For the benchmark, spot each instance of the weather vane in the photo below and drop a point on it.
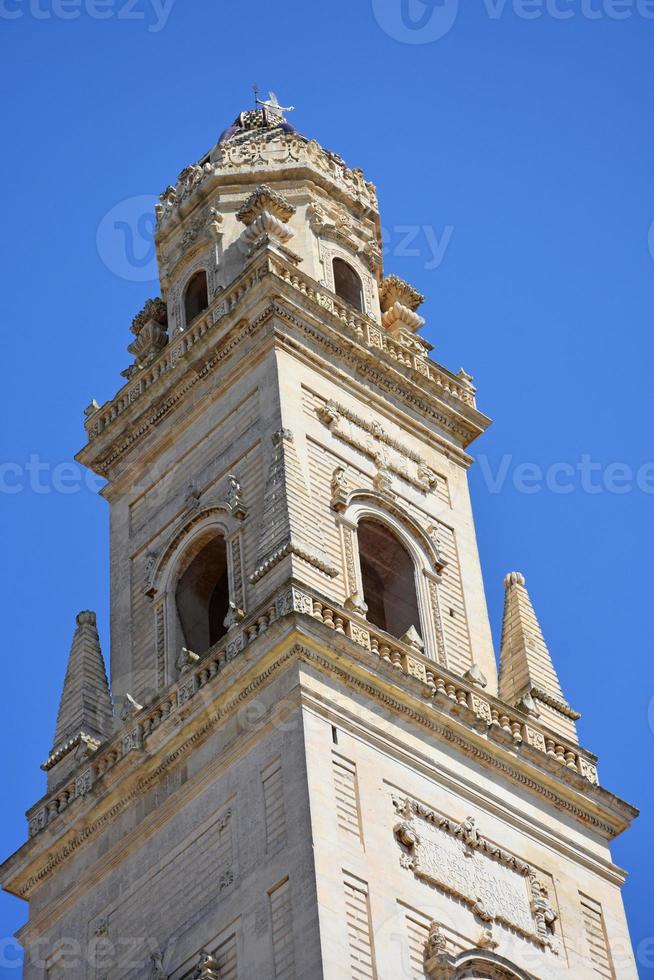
(275, 110)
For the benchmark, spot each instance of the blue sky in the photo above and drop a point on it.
(513, 150)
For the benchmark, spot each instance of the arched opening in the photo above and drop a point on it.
(388, 579)
(202, 596)
(347, 284)
(196, 297)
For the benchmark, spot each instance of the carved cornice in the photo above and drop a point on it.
(377, 356)
(452, 709)
(271, 154)
(38, 860)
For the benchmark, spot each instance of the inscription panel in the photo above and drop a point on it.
(496, 885)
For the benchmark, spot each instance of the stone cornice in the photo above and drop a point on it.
(262, 156)
(118, 772)
(343, 333)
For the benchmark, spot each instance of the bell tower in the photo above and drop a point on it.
(304, 763)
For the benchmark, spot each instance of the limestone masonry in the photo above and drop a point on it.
(305, 764)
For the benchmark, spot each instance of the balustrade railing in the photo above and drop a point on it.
(443, 686)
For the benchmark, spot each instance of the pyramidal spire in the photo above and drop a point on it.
(85, 711)
(527, 675)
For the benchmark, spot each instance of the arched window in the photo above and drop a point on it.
(202, 595)
(388, 578)
(347, 284)
(196, 296)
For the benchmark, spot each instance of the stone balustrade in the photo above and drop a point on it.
(446, 688)
(365, 330)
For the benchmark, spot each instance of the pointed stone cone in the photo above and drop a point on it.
(85, 705)
(527, 674)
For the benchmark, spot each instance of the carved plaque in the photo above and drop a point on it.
(496, 885)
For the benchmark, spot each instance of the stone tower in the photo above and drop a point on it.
(305, 765)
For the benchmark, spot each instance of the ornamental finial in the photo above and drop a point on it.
(514, 578)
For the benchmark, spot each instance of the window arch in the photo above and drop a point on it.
(196, 296)
(388, 577)
(202, 593)
(418, 559)
(347, 284)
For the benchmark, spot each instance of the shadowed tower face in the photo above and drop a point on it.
(305, 764)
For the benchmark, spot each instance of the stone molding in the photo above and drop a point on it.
(173, 705)
(452, 707)
(269, 152)
(446, 399)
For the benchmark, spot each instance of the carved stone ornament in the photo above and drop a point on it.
(370, 438)
(266, 225)
(215, 223)
(157, 970)
(339, 488)
(486, 941)
(235, 498)
(383, 479)
(371, 254)
(265, 200)
(192, 497)
(436, 941)
(151, 339)
(129, 708)
(399, 317)
(207, 968)
(413, 639)
(185, 660)
(494, 884)
(154, 310)
(396, 290)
